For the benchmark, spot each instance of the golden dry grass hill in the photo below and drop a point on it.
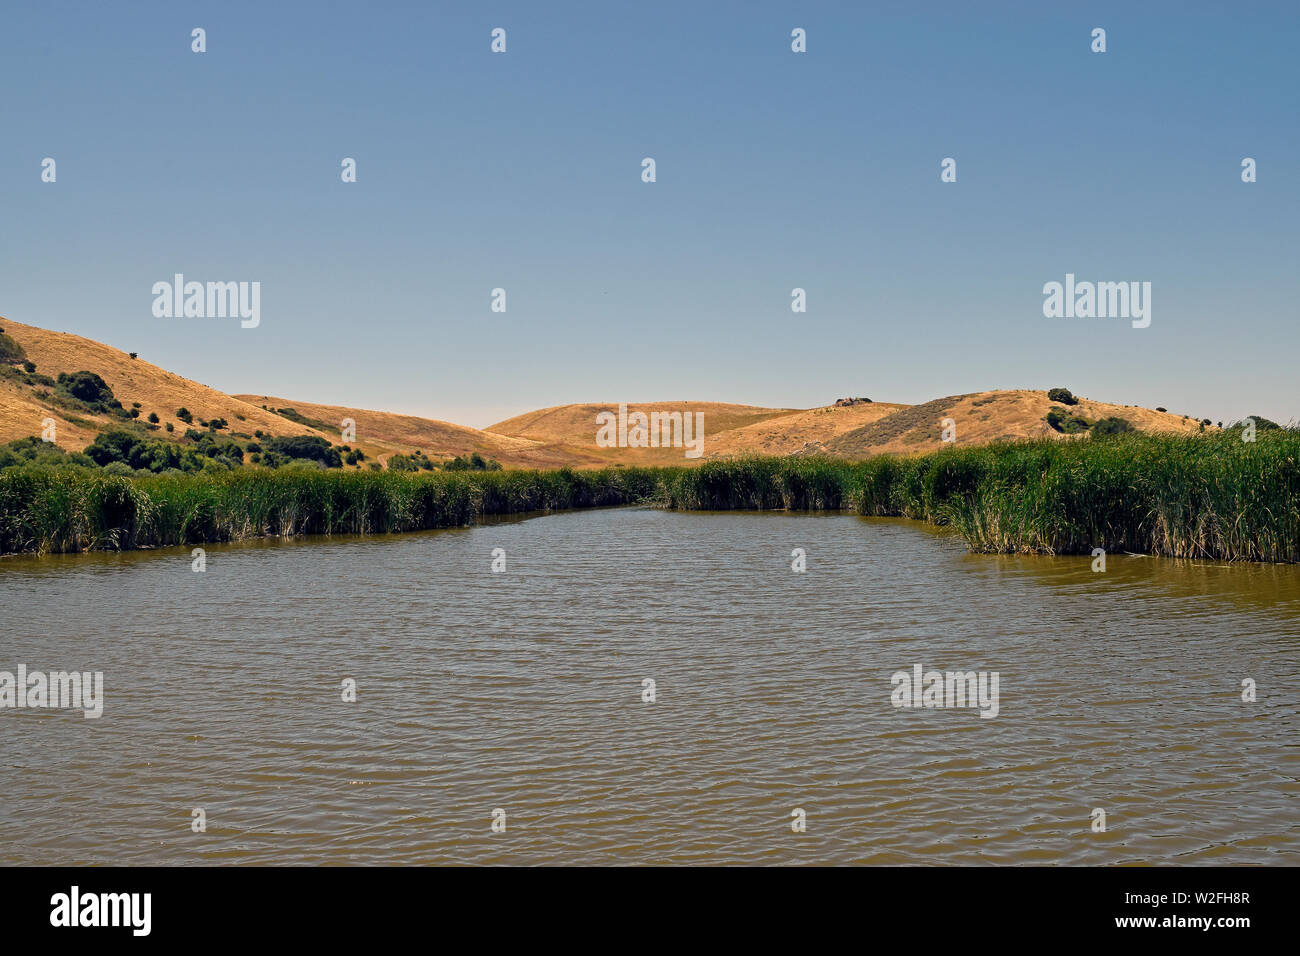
(983, 417)
(571, 429)
(22, 406)
(384, 433)
(558, 436)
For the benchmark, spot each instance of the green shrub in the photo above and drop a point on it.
(1062, 395)
(1112, 426)
(138, 451)
(474, 462)
(310, 447)
(1065, 421)
(11, 353)
(1262, 424)
(88, 389)
(24, 451)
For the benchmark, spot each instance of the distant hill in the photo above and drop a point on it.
(388, 432)
(562, 435)
(983, 417)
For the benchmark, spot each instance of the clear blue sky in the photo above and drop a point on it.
(775, 170)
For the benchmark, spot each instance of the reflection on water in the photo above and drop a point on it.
(522, 691)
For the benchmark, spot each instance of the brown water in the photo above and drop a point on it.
(522, 691)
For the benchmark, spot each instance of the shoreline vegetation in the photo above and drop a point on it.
(1210, 496)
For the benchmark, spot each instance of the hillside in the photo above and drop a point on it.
(797, 432)
(388, 432)
(982, 417)
(558, 436)
(571, 429)
(22, 406)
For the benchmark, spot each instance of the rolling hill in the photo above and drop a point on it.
(558, 436)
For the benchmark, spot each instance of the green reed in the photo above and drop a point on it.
(1210, 496)
(58, 510)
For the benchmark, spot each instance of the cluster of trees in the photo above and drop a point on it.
(1070, 423)
(136, 452)
(474, 462)
(278, 451)
(416, 461)
(1067, 422)
(129, 450)
(27, 451)
(419, 461)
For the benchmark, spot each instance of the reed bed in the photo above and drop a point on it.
(63, 510)
(1204, 496)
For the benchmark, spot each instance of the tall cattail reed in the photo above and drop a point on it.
(1203, 496)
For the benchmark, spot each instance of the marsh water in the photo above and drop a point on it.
(522, 691)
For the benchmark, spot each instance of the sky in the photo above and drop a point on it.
(775, 170)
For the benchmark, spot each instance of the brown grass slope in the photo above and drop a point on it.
(388, 432)
(982, 417)
(796, 433)
(379, 434)
(576, 424)
(132, 380)
(570, 430)
(562, 435)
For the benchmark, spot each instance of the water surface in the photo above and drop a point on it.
(522, 691)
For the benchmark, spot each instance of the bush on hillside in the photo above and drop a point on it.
(1063, 396)
(140, 452)
(88, 389)
(416, 461)
(474, 462)
(1066, 422)
(1112, 426)
(1262, 424)
(32, 450)
(309, 447)
(11, 353)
